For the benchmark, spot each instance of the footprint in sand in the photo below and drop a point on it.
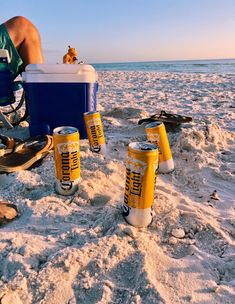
(126, 113)
(100, 200)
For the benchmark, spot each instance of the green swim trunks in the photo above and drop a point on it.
(7, 44)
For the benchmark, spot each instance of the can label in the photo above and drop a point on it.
(141, 168)
(67, 154)
(156, 133)
(94, 130)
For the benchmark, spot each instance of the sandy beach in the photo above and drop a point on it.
(79, 249)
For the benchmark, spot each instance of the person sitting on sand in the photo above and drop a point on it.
(22, 40)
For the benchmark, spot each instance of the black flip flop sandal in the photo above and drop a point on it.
(8, 212)
(26, 154)
(171, 121)
(7, 145)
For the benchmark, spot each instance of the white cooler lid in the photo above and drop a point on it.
(60, 73)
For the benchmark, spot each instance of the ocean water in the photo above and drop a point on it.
(223, 66)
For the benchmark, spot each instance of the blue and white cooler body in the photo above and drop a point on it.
(58, 95)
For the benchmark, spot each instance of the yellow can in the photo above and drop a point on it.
(67, 159)
(141, 166)
(156, 133)
(95, 132)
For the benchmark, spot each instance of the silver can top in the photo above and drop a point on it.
(65, 130)
(143, 146)
(90, 113)
(153, 124)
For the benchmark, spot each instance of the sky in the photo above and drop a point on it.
(130, 30)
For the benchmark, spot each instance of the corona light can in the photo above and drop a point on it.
(141, 166)
(95, 132)
(156, 133)
(67, 159)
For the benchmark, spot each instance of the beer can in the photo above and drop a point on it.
(141, 166)
(67, 159)
(156, 133)
(95, 132)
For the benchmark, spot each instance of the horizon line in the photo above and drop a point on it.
(171, 60)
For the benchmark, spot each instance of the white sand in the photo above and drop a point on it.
(80, 250)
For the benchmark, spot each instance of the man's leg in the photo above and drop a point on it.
(26, 39)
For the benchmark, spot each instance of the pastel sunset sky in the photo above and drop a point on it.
(131, 30)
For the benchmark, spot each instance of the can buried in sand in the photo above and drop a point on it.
(67, 159)
(156, 133)
(141, 166)
(95, 132)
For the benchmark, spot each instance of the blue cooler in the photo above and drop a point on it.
(58, 95)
